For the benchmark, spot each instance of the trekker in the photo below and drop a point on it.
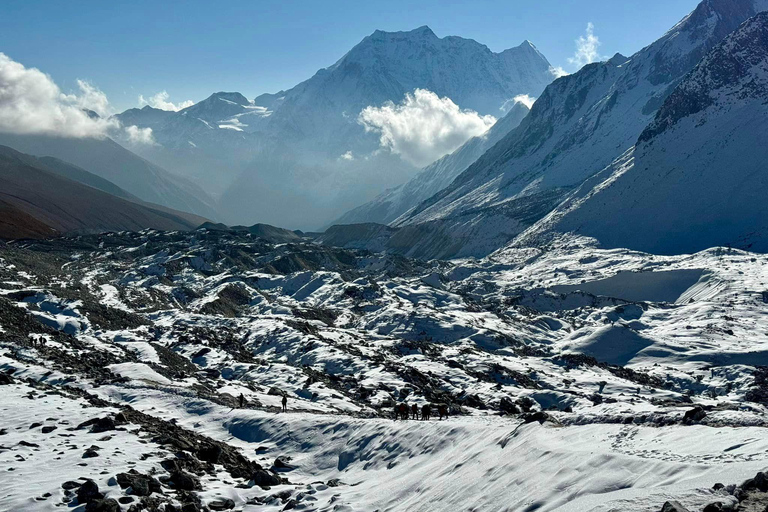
(442, 410)
(285, 403)
(426, 412)
(415, 411)
(242, 400)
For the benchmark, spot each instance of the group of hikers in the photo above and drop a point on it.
(283, 401)
(38, 342)
(403, 412)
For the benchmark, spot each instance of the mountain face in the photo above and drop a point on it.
(37, 202)
(267, 155)
(697, 177)
(577, 127)
(110, 161)
(390, 205)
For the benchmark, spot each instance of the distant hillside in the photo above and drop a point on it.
(36, 202)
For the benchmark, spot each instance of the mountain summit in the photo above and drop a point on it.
(244, 150)
(577, 127)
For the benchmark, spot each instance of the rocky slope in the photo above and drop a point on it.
(578, 126)
(697, 176)
(573, 376)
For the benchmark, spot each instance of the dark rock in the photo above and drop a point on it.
(717, 487)
(120, 419)
(201, 352)
(184, 481)
(125, 500)
(190, 507)
(221, 504)
(35, 425)
(90, 453)
(88, 492)
(48, 429)
(539, 416)
(140, 485)
(264, 478)
(673, 506)
(103, 425)
(334, 482)
(694, 415)
(70, 484)
(108, 505)
(5, 379)
(273, 391)
(283, 462)
(28, 444)
(290, 505)
(713, 507)
(210, 453)
(759, 482)
(508, 406)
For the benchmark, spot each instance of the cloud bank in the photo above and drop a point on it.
(136, 135)
(423, 127)
(558, 72)
(586, 48)
(160, 100)
(525, 99)
(31, 103)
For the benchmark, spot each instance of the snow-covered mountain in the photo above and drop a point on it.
(307, 146)
(698, 176)
(393, 203)
(577, 127)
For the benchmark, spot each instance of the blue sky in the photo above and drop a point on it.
(191, 49)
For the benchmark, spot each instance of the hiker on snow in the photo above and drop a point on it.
(285, 403)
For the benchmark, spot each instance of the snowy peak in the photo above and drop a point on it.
(696, 179)
(688, 41)
(736, 69)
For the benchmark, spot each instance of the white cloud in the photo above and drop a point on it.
(347, 156)
(586, 48)
(31, 103)
(160, 100)
(138, 135)
(525, 99)
(423, 127)
(558, 72)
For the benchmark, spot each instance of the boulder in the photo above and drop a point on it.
(88, 492)
(694, 415)
(508, 406)
(90, 453)
(210, 453)
(184, 481)
(108, 505)
(103, 425)
(140, 485)
(264, 478)
(673, 506)
(221, 504)
(759, 482)
(5, 379)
